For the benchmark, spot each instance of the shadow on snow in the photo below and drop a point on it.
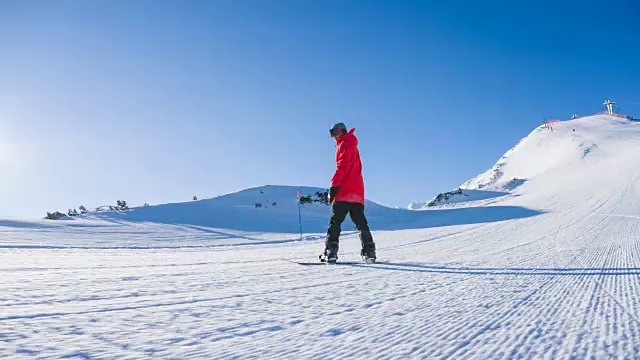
(438, 269)
(315, 218)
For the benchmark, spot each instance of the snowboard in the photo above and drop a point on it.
(337, 263)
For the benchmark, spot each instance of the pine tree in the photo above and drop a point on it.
(322, 197)
(122, 205)
(54, 216)
(306, 200)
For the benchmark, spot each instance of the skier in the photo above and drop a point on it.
(346, 196)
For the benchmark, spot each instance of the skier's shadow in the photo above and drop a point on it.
(400, 219)
(438, 269)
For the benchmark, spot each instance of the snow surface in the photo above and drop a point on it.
(549, 270)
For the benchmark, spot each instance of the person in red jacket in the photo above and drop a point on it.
(346, 196)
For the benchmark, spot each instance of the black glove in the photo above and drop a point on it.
(332, 193)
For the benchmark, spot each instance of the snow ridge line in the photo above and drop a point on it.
(609, 294)
(134, 247)
(172, 303)
(613, 297)
(489, 325)
(132, 266)
(507, 271)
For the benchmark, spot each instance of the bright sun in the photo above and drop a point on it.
(6, 154)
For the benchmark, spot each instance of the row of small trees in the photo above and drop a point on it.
(121, 205)
(56, 215)
(320, 197)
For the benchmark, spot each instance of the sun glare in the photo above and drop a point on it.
(6, 154)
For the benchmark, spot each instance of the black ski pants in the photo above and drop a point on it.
(339, 211)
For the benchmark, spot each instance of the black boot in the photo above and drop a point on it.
(369, 252)
(330, 254)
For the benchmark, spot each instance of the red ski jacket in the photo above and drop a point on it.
(348, 176)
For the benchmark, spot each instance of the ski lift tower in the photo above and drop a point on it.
(609, 105)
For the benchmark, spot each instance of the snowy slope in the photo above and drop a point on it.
(542, 154)
(278, 213)
(558, 282)
(544, 150)
(460, 198)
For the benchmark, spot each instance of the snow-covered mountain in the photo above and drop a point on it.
(271, 208)
(543, 266)
(274, 208)
(541, 161)
(536, 168)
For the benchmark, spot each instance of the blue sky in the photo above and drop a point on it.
(157, 101)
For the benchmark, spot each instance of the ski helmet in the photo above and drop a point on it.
(337, 129)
